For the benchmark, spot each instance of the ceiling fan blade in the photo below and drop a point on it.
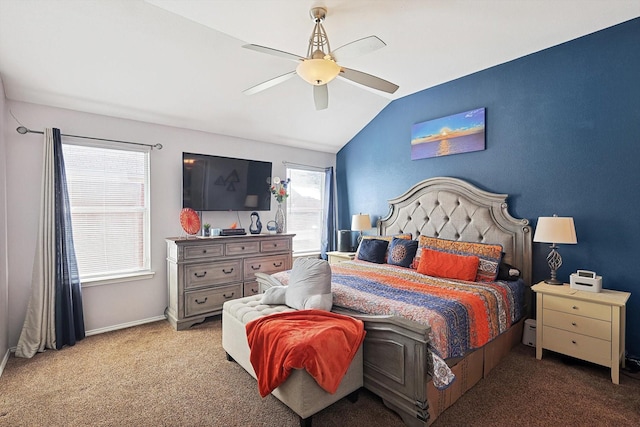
(357, 48)
(273, 52)
(368, 80)
(269, 83)
(321, 96)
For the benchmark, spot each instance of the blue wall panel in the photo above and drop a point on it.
(562, 136)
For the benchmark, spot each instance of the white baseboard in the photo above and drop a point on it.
(123, 325)
(5, 359)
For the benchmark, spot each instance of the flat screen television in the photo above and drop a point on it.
(215, 183)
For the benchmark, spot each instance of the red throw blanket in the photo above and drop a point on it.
(321, 342)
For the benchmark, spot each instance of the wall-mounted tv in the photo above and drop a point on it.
(215, 183)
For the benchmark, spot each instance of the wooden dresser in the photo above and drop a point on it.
(586, 325)
(204, 273)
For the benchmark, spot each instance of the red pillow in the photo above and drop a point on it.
(449, 266)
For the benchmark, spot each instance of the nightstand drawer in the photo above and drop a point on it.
(583, 347)
(579, 324)
(206, 300)
(579, 307)
(213, 273)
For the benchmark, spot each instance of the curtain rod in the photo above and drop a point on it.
(22, 130)
(303, 165)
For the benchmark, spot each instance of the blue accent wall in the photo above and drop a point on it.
(562, 137)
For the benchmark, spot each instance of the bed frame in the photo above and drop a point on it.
(395, 349)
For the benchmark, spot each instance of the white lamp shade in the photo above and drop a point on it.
(318, 71)
(360, 222)
(555, 229)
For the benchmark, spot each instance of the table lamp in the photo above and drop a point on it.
(360, 222)
(554, 230)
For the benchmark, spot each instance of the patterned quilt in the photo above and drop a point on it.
(463, 315)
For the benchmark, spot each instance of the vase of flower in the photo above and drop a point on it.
(279, 219)
(279, 190)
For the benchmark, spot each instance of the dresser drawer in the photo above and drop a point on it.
(579, 324)
(266, 264)
(213, 273)
(203, 251)
(274, 245)
(581, 346)
(205, 300)
(251, 288)
(581, 308)
(242, 248)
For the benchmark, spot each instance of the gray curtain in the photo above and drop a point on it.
(55, 286)
(69, 314)
(329, 215)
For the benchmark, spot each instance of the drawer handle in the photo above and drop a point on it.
(573, 323)
(575, 307)
(228, 296)
(204, 251)
(200, 275)
(278, 265)
(227, 272)
(242, 248)
(203, 301)
(573, 341)
(256, 268)
(275, 245)
(255, 291)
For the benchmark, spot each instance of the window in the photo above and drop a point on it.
(109, 198)
(304, 209)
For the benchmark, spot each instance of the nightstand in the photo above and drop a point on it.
(586, 325)
(337, 256)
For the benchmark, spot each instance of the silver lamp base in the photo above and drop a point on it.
(555, 261)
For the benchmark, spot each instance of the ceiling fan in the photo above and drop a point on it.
(320, 65)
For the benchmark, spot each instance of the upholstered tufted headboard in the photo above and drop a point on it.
(450, 208)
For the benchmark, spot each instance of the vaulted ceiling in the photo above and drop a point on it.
(181, 63)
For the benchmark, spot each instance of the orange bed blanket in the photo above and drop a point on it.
(321, 342)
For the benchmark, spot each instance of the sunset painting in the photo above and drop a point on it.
(459, 133)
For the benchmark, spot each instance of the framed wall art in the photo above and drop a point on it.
(455, 134)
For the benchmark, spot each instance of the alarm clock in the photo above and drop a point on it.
(585, 280)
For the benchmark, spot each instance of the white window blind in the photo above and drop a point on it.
(109, 198)
(304, 208)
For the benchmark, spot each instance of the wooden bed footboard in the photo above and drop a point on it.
(396, 365)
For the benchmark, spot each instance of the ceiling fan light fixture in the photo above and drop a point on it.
(318, 71)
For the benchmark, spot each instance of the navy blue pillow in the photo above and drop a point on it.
(373, 250)
(402, 252)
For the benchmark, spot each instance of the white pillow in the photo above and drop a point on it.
(274, 295)
(309, 285)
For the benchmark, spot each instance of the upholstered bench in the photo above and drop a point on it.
(299, 392)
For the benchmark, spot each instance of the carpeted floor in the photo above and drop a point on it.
(151, 375)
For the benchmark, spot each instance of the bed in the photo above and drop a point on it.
(397, 347)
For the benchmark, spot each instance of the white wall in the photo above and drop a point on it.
(4, 306)
(108, 306)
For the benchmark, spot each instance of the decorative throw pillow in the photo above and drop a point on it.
(401, 252)
(275, 295)
(490, 255)
(447, 265)
(406, 236)
(508, 272)
(309, 285)
(373, 250)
